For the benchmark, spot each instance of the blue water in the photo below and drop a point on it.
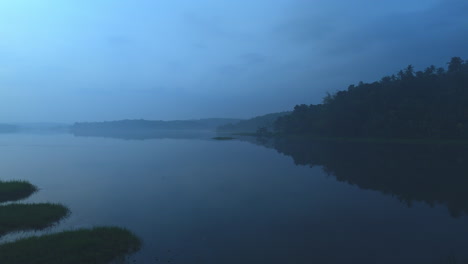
(205, 201)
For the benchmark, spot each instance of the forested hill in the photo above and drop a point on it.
(253, 124)
(432, 103)
(150, 125)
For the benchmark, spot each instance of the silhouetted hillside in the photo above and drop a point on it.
(253, 124)
(425, 104)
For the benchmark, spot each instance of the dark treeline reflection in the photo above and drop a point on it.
(411, 172)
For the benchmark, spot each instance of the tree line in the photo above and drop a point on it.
(410, 104)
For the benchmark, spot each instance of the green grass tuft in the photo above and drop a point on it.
(22, 217)
(91, 246)
(15, 190)
(223, 138)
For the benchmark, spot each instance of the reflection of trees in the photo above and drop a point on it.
(411, 172)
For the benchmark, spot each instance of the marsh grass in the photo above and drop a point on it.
(22, 217)
(15, 190)
(223, 138)
(97, 245)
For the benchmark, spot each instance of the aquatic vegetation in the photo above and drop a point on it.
(223, 138)
(15, 190)
(97, 245)
(21, 217)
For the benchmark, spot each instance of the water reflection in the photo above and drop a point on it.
(208, 201)
(432, 173)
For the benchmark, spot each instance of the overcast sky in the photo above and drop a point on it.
(92, 60)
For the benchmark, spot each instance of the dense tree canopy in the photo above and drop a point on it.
(424, 104)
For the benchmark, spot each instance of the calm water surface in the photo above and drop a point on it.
(204, 201)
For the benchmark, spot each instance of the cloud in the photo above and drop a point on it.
(267, 55)
(393, 37)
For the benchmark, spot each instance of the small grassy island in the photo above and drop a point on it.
(19, 217)
(97, 245)
(15, 190)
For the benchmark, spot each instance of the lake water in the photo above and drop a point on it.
(198, 200)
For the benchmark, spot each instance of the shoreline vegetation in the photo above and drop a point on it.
(96, 245)
(429, 105)
(411, 107)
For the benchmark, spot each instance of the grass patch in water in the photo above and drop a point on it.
(15, 190)
(97, 245)
(223, 138)
(22, 217)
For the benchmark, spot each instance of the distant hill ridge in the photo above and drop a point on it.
(141, 124)
(253, 124)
